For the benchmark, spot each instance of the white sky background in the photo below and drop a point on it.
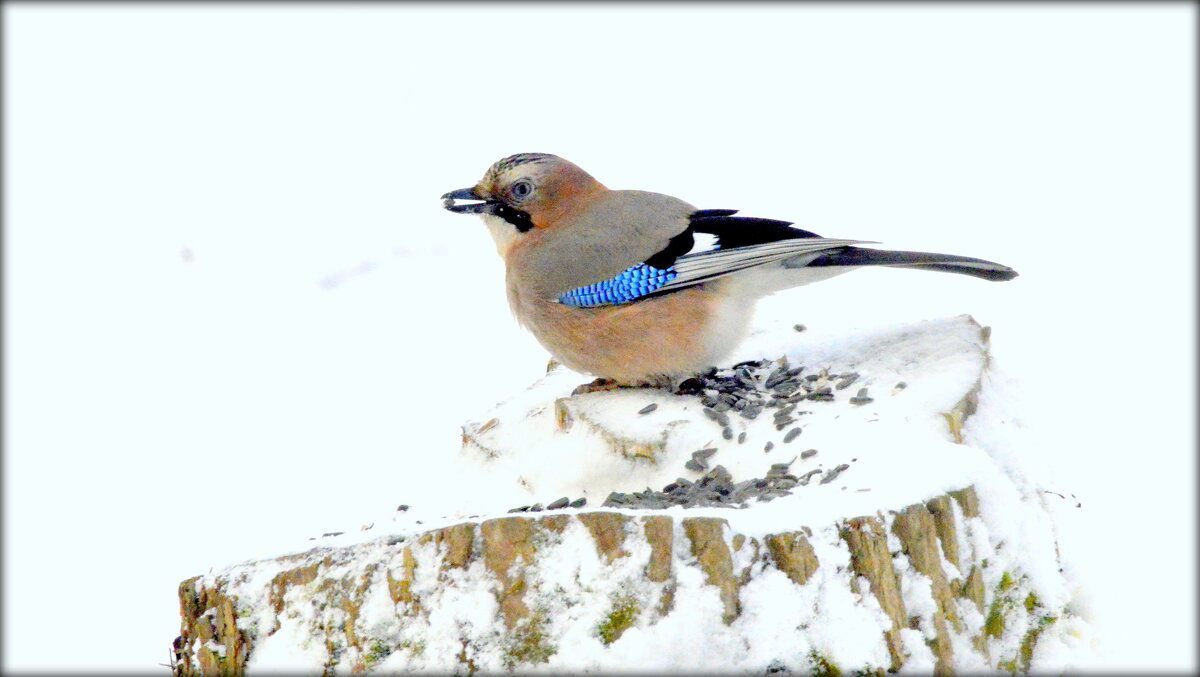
(164, 416)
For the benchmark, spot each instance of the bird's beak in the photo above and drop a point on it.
(482, 207)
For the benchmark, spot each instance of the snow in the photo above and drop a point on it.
(279, 652)
(527, 445)
(526, 459)
(221, 341)
(899, 452)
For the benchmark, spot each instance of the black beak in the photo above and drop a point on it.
(481, 207)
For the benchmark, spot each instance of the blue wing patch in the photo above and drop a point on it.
(632, 284)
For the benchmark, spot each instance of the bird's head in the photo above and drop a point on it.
(525, 192)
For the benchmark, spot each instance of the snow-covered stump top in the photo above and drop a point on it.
(828, 503)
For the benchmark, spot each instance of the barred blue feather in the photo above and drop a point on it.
(632, 284)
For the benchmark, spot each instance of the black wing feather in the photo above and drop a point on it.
(743, 231)
(730, 232)
(678, 246)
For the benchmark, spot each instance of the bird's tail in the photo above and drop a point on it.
(858, 256)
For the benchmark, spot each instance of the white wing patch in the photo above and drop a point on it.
(701, 243)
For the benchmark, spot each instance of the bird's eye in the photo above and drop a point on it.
(521, 190)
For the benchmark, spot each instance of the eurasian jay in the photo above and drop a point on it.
(616, 283)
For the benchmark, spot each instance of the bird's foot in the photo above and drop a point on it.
(598, 386)
(605, 384)
(664, 382)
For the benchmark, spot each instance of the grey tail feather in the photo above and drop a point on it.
(964, 265)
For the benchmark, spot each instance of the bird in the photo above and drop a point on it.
(643, 289)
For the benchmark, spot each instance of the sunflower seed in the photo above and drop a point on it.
(615, 498)
(804, 479)
(752, 410)
(787, 388)
(775, 378)
(847, 380)
(779, 470)
(832, 474)
(861, 398)
(744, 376)
(648, 408)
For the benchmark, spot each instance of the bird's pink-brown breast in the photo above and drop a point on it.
(665, 335)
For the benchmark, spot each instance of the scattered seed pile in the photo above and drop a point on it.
(747, 389)
(717, 489)
(558, 504)
(752, 386)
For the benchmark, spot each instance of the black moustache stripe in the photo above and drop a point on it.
(519, 219)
